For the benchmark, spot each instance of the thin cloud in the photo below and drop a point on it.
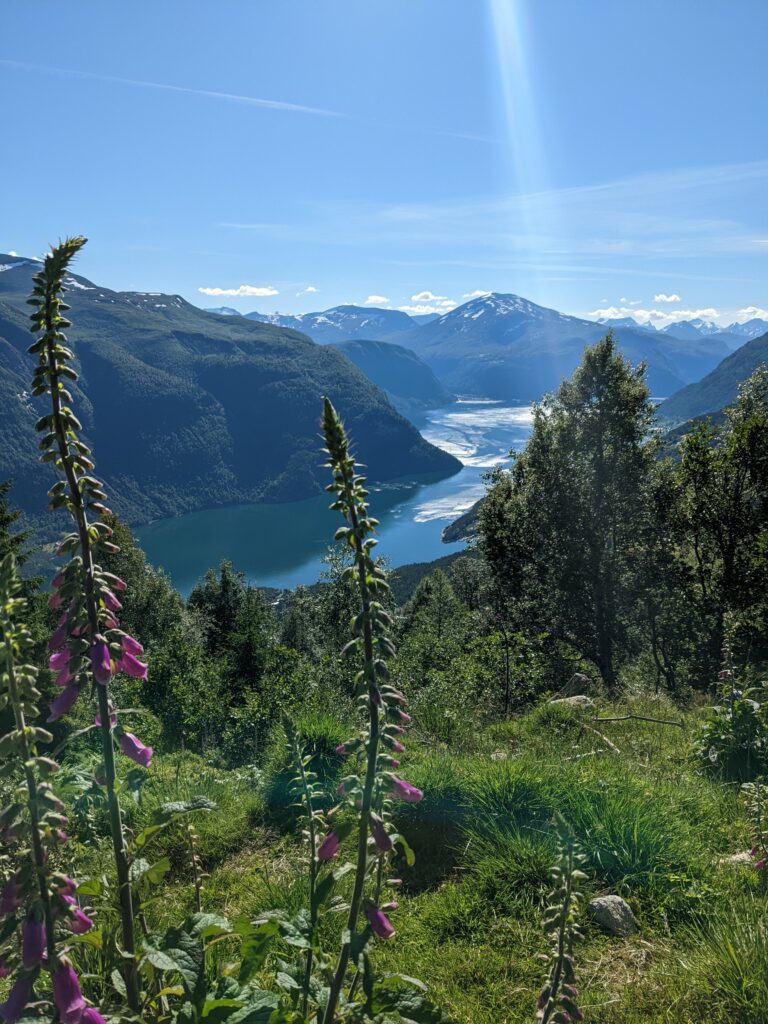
(243, 290)
(477, 294)
(309, 290)
(748, 313)
(661, 297)
(377, 300)
(253, 101)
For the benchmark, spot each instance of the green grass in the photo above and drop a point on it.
(469, 917)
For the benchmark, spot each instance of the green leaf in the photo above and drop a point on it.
(258, 1010)
(92, 887)
(168, 812)
(208, 925)
(186, 952)
(158, 870)
(118, 983)
(410, 856)
(256, 941)
(412, 1006)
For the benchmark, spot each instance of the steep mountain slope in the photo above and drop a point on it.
(408, 381)
(189, 409)
(719, 387)
(503, 346)
(342, 323)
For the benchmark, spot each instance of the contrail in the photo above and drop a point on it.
(253, 101)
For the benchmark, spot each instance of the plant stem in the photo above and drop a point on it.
(115, 821)
(38, 854)
(370, 775)
(312, 877)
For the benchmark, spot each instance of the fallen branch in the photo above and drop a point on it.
(640, 718)
(611, 746)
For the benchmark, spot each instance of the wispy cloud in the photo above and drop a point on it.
(243, 290)
(376, 300)
(253, 101)
(309, 290)
(478, 293)
(748, 313)
(661, 297)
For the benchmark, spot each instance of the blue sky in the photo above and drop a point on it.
(608, 154)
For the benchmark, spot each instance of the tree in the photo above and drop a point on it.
(12, 540)
(218, 599)
(560, 530)
(724, 476)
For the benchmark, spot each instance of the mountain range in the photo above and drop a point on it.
(718, 388)
(506, 347)
(190, 410)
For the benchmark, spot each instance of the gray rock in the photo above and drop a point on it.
(614, 915)
(577, 684)
(580, 700)
(737, 859)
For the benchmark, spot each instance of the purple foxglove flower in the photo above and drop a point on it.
(19, 996)
(119, 584)
(58, 637)
(131, 645)
(32, 942)
(110, 601)
(380, 837)
(62, 836)
(100, 662)
(376, 697)
(4, 968)
(133, 667)
(397, 746)
(396, 695)
(135, 749)
(91, 1016)
(394, 881)
(58, 661)
(79, 922)
(67, 995)
(111, 622)
(329, 847)
(760, 864)
(57, 581)
(405, 791)
(63, 702)
(112, 719)
(342, 749)
(54, 601)
(64, 678)
(68, 886)
(379, 922)
(10, 897)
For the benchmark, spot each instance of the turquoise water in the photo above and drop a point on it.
(282, 545)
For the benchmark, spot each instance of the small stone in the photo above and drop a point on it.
(614, 915)
(499, 755)
(579, 700)
(737, 859)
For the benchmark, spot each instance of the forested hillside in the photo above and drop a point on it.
(718, 388)
(224, 407)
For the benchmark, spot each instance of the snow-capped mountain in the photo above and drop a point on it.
(696, 328)
(343, 323)
(753, 328)
(625, 321)
(224, 311)
(506, 347)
